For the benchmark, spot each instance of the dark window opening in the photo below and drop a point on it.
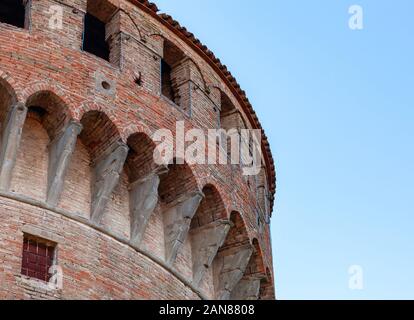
(94, 37)
(167, 84)
(38, 111)
(38, 257)
(170, 70)
(12, 12)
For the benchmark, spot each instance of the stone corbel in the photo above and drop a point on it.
(230, 268)
(206, 241)
(247, 289)
(177, 220)
(60, 155)
(10, 142)
(143, 201)
(107, 172)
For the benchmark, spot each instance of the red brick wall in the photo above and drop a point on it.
(95, 266)
(98, 262)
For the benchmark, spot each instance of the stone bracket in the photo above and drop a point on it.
(246, 289)
(231, 269)
(10, 142)
(144, 199)
(61, 150)
(106, 176)
(177, 221)
(206, 242)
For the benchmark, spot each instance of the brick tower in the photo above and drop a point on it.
(85, 211)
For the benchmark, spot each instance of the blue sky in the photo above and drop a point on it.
(338, 107)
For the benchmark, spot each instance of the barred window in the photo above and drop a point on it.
(38, 256)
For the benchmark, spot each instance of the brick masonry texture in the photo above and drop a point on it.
(76, 164)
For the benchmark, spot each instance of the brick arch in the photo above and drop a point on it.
(178, 181)
(140, 162)
(99, 132)
(13, 88)
(212, 208)
(32, 89)
(203, 79)
(56, 112)
(136, 127)
(220, 188)
(234, 208)
(141, 35)
(88, 106)
(8, 96)
(230, 116)
(238, 234)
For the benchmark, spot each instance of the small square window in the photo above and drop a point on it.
(38, 256)
(94, 37)
(12, 12)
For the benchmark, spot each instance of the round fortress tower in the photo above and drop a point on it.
(86, 212)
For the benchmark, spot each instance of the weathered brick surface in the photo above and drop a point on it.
(47, 71)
